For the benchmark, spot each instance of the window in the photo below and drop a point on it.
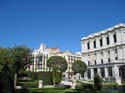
(107, 39)
(116, 54)
(108, 60)
(101, 61)
(95, 71)
(108, 53)
(116, 58)
(114, 37)
(101, 53)
(95, 62)
(94, 44)
(89, 73)
(110, 71)
(101, 44)
(102, 72)
(88, 62)
(116, 51)
(88, 45)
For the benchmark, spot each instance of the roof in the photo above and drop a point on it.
(104, 31)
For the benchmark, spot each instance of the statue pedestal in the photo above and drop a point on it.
(40, 84)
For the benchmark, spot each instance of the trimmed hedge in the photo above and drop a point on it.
(114, 87)
(34, 75)
(46, 77)
(46, 90)
(84, 86)
(28, 84)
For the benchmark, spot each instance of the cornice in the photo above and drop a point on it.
(111, 29)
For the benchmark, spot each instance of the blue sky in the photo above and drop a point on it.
(58, 23)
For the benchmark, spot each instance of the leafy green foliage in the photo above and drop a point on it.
(79, 67)
(16, 58)
(4, 56)
(84, 86)
(6, 80)
(21, 56)
(46, 77)
(29, 84)
(57, 62)
(34, 75)
(97, 82)
(46, 90)
(57, 76)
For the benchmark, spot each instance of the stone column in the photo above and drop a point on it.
(106, 72)
(91, 44)
(92, 73)
(99, 71)
(116, 74)
(104, 40)
(85, 75)
(112, 54)
(111, 41)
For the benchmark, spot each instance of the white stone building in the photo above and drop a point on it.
(42, 54)
(104, 53)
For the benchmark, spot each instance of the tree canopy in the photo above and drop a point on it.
(79, 67)
(58, 65)
(57, 62)
(13, 59)
(18, 55)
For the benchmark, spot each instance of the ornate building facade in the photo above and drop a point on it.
(42, 54)
(104, 53)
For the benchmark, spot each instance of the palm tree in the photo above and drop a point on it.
(58, 64)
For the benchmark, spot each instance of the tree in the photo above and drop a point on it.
(21, 57)
(79, 67)
(58, 65)
(17, 57)
(97, 82)
(4, 56)
(6, 79)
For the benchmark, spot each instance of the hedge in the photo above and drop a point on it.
(84, 86)
(46, 90)
(28, 84)
(34, 75)
(46, 77)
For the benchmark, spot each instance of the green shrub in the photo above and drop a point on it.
(28, 84)
(79, 87)
(84, 86)
(56, 76)
(97, 82)
(46, 77)
(45, 90)
(34, 75)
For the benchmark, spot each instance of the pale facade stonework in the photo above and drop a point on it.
(104, 53)
(40, 64)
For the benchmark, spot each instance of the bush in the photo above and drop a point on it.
(63, 86)
(56, 76)
(46, 77)
(28, 84)
(84, 86)
(45, 90)
(34, 75)
(97, 82)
